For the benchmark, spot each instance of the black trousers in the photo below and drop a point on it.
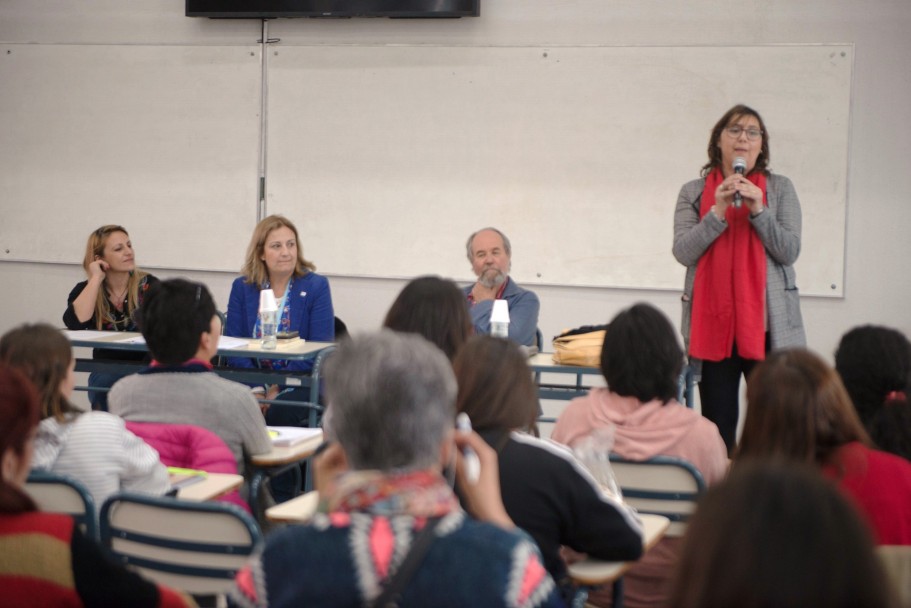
(719, 392)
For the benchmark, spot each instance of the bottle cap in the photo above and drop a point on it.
(267, 301)
(500, 312)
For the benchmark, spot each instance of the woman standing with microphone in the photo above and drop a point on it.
(737, 230)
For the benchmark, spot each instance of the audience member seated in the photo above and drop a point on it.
(875, 366)
(383, 494)
(490, 254)
(777, 535)
(433, 308)
(181, 329)
(94, 447)
(545, 490)
(108, 298)
(46, 560)
(800, 412)
(191, 447)
(641, 362)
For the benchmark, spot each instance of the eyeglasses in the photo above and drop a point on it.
(735, 131)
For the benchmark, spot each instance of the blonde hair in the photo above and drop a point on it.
(254, 269)
(94, 248)
(43, 354)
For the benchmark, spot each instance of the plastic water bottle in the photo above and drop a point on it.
(499, 319)
(268, 318)
(499, 329)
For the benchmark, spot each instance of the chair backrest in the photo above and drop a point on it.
(196, 547)
(661, 485)
(190, 447)
(57, 493)
(896, 560)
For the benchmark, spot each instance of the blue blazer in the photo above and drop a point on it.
(311, 314)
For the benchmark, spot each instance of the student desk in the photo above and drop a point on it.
(293, 350)
(277, 461)
(543, 363)
(594, 573)
(298, 510)
(212, 486)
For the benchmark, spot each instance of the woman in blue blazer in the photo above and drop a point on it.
(275, 261)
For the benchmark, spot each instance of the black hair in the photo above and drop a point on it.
(641, 356)
(873, 361)
(434, 308)
(174, 314)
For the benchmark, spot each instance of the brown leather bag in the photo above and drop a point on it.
(580, 346)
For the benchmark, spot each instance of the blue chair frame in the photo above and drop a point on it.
(662, 485)
(197, 547)
(56, 493)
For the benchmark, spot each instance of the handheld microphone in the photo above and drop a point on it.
(472, 462)
(740, 167)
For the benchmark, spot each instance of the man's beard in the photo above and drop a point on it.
(492, 277)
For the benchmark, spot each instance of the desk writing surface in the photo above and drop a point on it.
(280, 455)
(212, 486)
(597, 572)
(296, 349)
(299, 509)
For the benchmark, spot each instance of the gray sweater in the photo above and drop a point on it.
(201, 398)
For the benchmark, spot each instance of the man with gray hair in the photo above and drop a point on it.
(490, 254)
(390, 530)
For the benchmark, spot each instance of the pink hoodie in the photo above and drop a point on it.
(643, 430)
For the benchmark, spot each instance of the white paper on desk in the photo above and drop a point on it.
(284, 436)
(133, 340)
(88, 334)
(228, 342)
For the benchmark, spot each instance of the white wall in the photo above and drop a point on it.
(877, 285)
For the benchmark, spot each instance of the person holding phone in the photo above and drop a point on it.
(107, 299)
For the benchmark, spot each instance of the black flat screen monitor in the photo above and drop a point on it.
(274, 9)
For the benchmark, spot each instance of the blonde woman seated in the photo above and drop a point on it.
(641, 361)
(107, 299)
(94, 447)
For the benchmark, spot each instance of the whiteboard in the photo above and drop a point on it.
(161, 139)
(388, 157)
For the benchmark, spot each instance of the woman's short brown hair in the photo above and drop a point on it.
(798, 410)
(495, 385)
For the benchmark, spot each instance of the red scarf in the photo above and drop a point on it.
(729, 291)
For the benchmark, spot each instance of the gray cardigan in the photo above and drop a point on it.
(779, 230)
